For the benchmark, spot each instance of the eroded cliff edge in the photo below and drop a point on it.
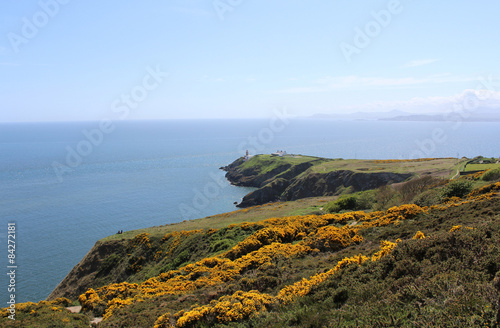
(92, 271)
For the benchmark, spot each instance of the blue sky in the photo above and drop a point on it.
(79, 60)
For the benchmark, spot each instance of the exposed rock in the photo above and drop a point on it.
(269, 193)
(329, 184)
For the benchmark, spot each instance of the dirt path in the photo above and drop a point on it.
(95, 320)
(77, 309)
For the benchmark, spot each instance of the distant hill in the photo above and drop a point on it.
(476, 115)
(479, 115)
(361, 115)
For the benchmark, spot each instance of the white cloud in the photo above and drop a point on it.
(469, 100)
(420, 62)
(207, 78)
(353, 81)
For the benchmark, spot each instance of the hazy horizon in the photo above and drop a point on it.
(86, 61)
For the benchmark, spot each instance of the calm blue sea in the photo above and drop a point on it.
(65, 185)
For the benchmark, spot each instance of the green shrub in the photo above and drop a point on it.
(365, 200)
(457, 188)
(353, 202)
(346, 203)
(221, 245)
(416, 186)
(385, 197)
(427, 198)
(491, 175)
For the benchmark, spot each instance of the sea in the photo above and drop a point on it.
(65, 185)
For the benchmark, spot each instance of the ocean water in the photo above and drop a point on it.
(66, 185)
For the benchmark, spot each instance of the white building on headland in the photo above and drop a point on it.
(280, 153)
(247, 156)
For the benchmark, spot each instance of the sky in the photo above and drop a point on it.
(71, 60)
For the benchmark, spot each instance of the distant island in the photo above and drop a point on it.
(473, 115)
(320, 242)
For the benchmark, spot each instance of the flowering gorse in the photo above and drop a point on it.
(272, 239)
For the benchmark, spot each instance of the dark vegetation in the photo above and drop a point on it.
(448, 279)
(46, 315)
(451, 278)
(145, 256)
(492, 175)
(424, 191)
(445, 280)
(482, 160)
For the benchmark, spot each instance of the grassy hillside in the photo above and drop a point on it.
(295, 177)
(262, 164)
(445, 167)
(252, 214)
(396, 264)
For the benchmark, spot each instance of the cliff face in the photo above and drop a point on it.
(328, 184)
(86, 273)
(136, 257)
(280, 180)
(258, 175)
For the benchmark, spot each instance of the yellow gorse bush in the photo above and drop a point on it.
(385, 248)
(242, 305)
(31, 308)
(239, 306)
(114, 304)
(141, 239)
(459, 227)
(331, 238)
(292, 236)
(273, 240)
(419, 235)
(303, 287)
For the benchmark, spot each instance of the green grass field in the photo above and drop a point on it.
(266, 163)
(481, 167)
(444, 167)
